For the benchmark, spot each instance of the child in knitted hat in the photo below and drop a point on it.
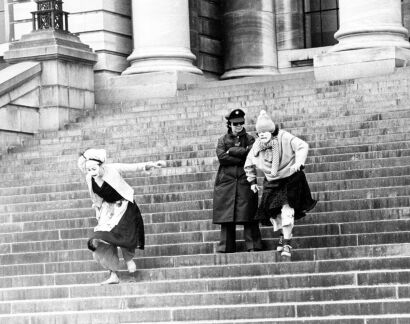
(286, 195)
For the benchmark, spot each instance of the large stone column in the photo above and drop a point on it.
(161, 37)
(250, 40)
(289, 24)
(372, 41)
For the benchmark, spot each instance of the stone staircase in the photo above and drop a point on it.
(351, 262)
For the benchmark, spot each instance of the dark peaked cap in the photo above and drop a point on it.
(236, 115)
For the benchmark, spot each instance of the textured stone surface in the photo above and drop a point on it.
(351, 253)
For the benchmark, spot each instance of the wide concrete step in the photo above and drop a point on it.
(125, 154)
(283, 117)
(213, 298)
(369, 271)
(360, 312)
(344, 319)
(303, 101)
(134, 301)
(337, 190)
(197, 165)
(302, 126)
(288, 113)
(154, 192)
(186, 221)
(399, 149)
(63, 209)
(193, 150)
(291, 102)
(191, 231)
(212, 135)
(28, 188)
(15, 253)
(106, 134)
(203, 199)
(303, 260)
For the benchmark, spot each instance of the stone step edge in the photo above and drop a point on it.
(148, 215)
(10, 214)
(214, 279)
(74, 157)
(382, 221)
(143, 139)
(207, 242)
(315, 193)
(293, 320)
(207, 254)
(199, 307)
(142, 205)
(218, 266)
(161, 193)
(266, 253)
(196, 169)
(238, 97)
(291, 118)
(81, 183)
(148, 156)
(70, 157)
(202, 293)
(291, 128)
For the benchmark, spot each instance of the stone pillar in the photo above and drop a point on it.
(161, 37)
(372, 41)
(289, 24)
(250, 40)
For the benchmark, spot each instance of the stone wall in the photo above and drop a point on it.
(206, 35)
(104, 25)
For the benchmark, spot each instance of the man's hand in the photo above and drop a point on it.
(254, 188)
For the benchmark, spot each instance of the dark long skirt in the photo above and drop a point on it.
(128, 233)
(293, 190)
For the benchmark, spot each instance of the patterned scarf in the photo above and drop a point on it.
(271, 154)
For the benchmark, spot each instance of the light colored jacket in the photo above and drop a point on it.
(292, 150)
(112, 175)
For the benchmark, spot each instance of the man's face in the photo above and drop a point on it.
(237, 126)
(265, 137)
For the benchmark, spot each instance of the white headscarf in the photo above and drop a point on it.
(98, 155)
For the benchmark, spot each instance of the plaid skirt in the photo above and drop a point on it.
(293, 190)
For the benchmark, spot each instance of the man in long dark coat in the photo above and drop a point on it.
(234, 202)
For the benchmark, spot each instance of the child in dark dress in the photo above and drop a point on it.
(120, 223)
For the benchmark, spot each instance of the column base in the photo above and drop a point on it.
(359, 63)
(161, 66)
(161, 60)
(146, 85)
(246, 72)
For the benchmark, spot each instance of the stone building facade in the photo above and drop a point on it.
(227, 38)
(155, 47)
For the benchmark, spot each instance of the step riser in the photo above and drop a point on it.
(115, 136)
(194, 299)
(230, 312)
(175, 234)
(389, 270)
(29, 252)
